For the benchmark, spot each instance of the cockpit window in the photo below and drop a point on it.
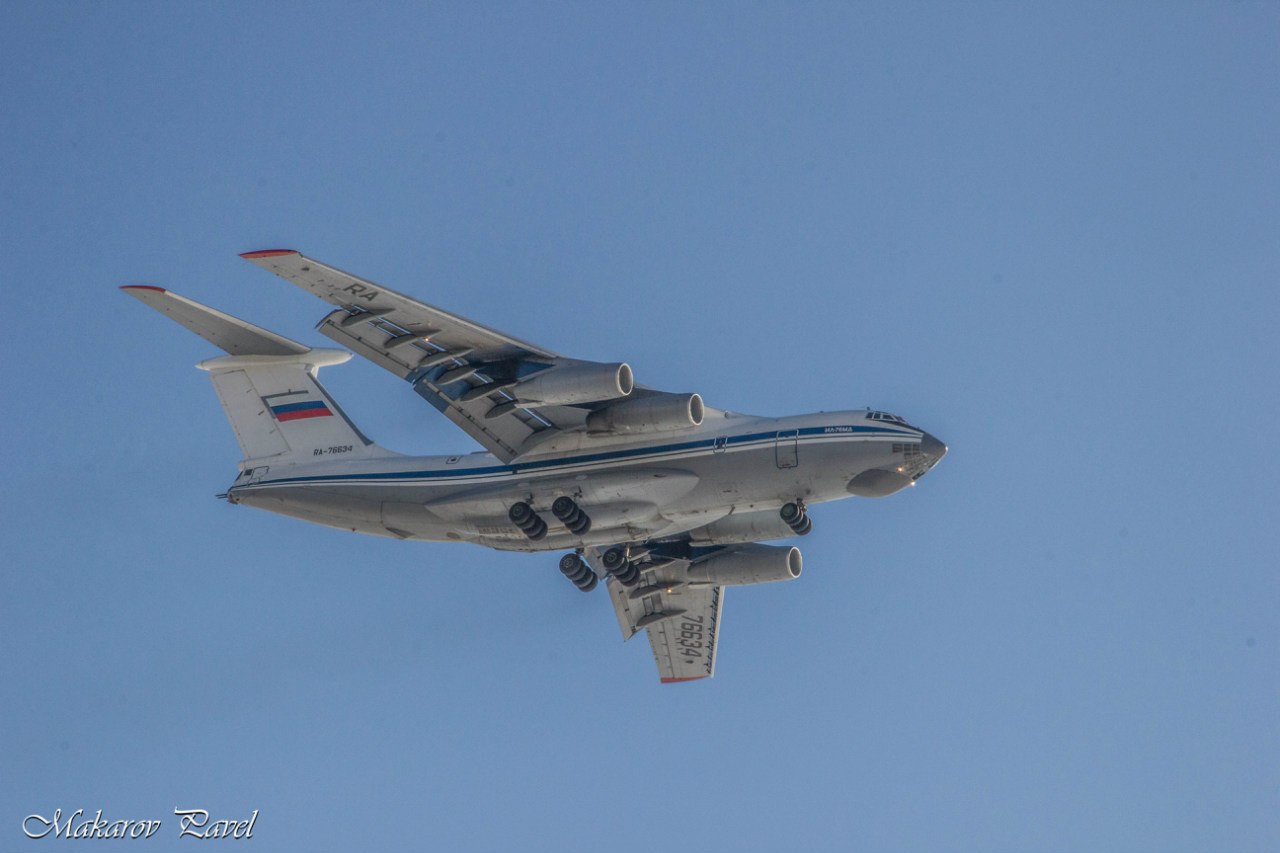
(885, 416)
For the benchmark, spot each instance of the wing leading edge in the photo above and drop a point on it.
(461, 367)
(470, 372)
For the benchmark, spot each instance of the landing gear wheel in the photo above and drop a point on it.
(564, 508)
(520, 514)
(576, 570)
(614, 559)
(571, 515)
(529, 522)
(796, 518)
(628, 576)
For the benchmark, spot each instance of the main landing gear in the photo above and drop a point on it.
(565, 509)
(576, 570)
(624, 563)
(529, 522)
(571, 515)
(618, 563)
(796, 518)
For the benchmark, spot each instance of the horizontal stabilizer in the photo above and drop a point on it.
(230, 334)
(268, 387)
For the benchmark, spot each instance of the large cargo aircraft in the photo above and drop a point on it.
(663, 496)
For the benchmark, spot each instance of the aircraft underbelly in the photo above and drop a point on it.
(329, 508)
(604, 488)
(625, 503)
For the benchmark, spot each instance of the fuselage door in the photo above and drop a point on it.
(784, 448)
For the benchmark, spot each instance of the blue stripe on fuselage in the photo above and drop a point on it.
(587, 458)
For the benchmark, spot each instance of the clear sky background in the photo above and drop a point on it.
(1047, 235)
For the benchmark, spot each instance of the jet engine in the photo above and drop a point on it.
(748, 564)
(575, 383)
(653, 413)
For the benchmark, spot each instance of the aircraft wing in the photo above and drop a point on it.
(683, 622)
(465, 370)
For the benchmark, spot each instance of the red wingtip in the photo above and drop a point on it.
(267, 253)
(678, 680)
(142, 287)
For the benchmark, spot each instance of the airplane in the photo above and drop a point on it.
(663, 496)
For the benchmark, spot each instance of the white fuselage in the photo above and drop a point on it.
(657, 497)
(721, 481)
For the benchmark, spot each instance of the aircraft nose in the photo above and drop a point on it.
(932, 448)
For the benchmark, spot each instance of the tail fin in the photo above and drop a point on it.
(268, 387)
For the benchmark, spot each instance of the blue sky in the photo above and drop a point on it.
(1046, 234)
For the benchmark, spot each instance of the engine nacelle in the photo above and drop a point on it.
(748, 564)
(575, 383)
(649, 414)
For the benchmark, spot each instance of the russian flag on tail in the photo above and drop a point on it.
(298, 411)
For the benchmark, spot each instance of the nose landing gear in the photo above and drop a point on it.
(796, 517)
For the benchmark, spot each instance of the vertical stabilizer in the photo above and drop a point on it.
(268, 386)
(278, 408)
